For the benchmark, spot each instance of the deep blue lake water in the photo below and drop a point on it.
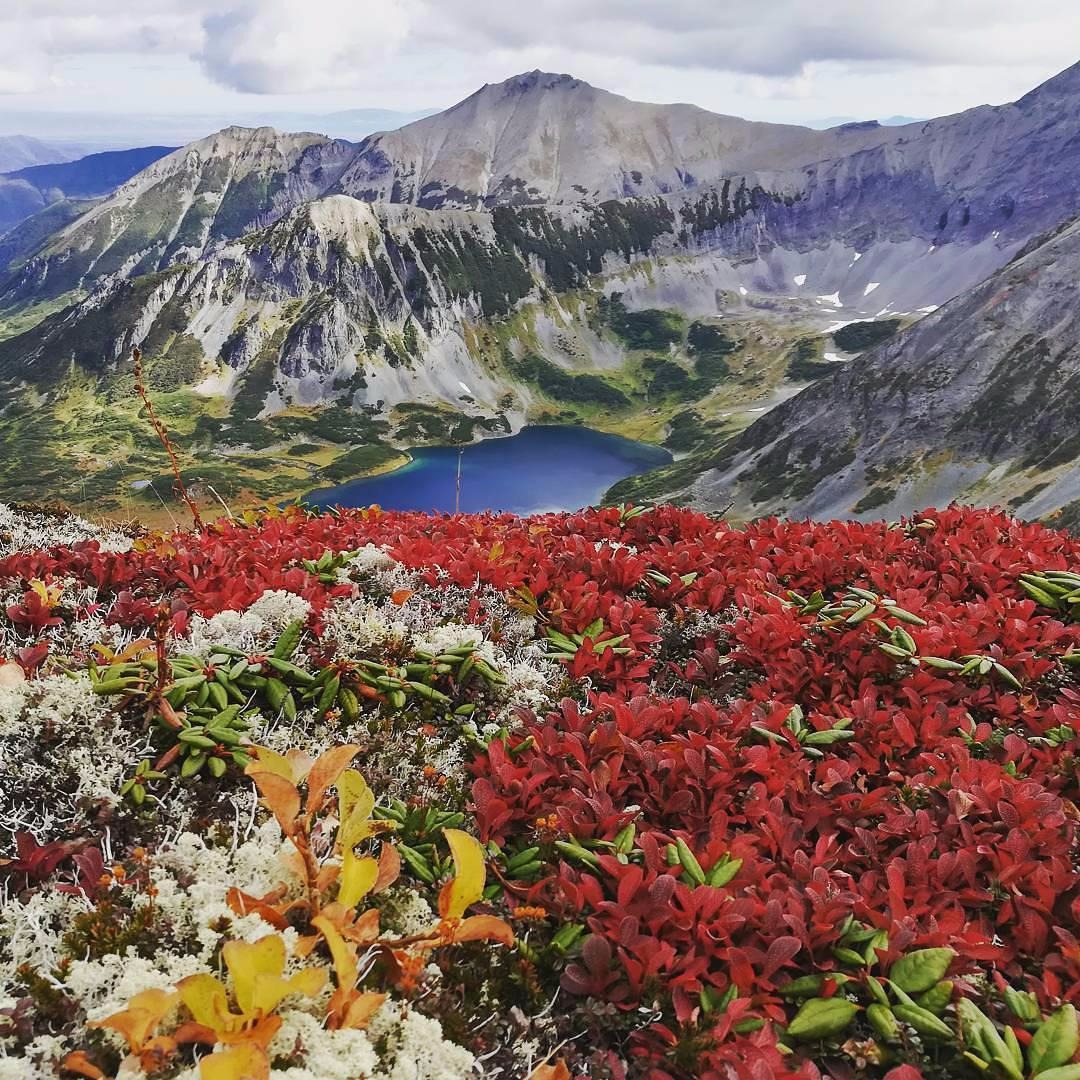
(539, 469)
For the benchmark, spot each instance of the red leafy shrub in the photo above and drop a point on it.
(810, 776)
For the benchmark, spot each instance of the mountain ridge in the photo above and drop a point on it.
(418, 269)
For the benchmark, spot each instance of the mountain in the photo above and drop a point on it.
(976, 402)
(544, 138)
(27, 190)
(19, 151)
(543, 250)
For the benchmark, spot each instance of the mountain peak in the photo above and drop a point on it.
(537, 80)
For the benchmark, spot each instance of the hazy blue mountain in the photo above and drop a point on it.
(18, 151)
(25, 191)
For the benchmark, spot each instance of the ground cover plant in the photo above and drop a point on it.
(622, 793)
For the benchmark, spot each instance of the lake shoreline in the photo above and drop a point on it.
(538, 468)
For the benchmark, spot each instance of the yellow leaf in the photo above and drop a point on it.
(358, 877)
(206, 1000)
(50, 594)
(308, 982)
(256, 968)
(293, 766)
(467, 885)
(355, 804)
(249, 963)
(344, 955)
(241, 1062)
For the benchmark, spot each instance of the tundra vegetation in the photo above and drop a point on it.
(628, 792)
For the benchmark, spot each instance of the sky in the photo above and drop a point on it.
(111, 70)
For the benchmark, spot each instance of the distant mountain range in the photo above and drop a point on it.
(545, 249)
(27, 190)
(19, 151)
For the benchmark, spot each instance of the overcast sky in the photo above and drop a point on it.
(797, 61)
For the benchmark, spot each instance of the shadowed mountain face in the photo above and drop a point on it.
(977, 401)
(437, 264)
(27, 190)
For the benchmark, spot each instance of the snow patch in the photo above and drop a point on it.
(799, 279)
(743, 290)
(832, 298)
(871, 287)
(928, 309)
(834, 358)
(856, 257)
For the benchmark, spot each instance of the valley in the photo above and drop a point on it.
(309, 308)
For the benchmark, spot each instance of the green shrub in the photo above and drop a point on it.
(563, 386)
(857, 336)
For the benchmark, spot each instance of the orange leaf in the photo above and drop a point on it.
(78, 1063)
(195, 1033)
(281, 796)
(137, 1022)
(243, 904)
(558, 1071)
(241, 1062)
(484, 928)
(399, 596)
(325, 771)
(362, 1008)
(389, 868)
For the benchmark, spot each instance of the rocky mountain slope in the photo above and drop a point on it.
(977, 401)
(483, 262)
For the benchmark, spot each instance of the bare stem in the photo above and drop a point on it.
(163, 435)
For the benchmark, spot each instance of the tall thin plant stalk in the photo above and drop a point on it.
(163, 435)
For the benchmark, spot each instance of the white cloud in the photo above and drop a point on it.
(288, 46)
(782, 59)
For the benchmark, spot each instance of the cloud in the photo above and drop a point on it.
(307, 46)
(778, 38)
(290, 46)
